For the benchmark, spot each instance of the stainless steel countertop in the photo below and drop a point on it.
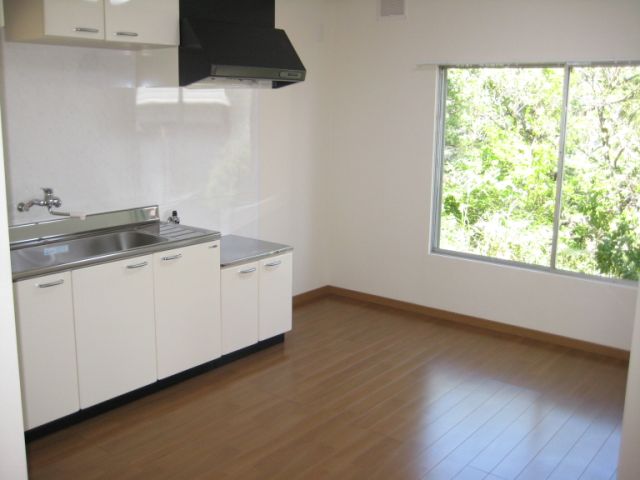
(173, 236)
(236, 250)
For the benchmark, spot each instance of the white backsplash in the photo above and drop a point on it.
(75, 122)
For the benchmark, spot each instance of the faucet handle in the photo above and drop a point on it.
(50, 198)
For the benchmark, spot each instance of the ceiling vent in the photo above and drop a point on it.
(393, 8)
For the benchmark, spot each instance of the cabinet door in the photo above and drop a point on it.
(275, 296)
(187, 291)
(239, 307)
(115, 328)
(153, 22)
(47, 347)
(74, 18)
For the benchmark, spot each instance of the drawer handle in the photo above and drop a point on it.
(86, 30)
(50, 284)
(137, 265)
(247, 271)
(274, 264)
(213, 246)
(126, 34)
(172, 257)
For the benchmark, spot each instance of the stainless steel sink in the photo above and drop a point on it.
(76, 250)
(113, 242)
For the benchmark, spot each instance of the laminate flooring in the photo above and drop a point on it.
(363, 392)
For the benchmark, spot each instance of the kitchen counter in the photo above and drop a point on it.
(51, 247)
(235, 250)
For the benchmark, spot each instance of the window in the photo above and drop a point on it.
(540, 165)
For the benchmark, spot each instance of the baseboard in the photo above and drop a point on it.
(311, 295)
(467, 320)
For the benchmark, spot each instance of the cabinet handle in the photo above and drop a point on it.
(86, 30)
(247, 271)
(126, 34)
(50, 284)
(172, 257)
(137, 265)
(274, 264)
(213, 246)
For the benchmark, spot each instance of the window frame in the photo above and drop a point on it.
(438, 170)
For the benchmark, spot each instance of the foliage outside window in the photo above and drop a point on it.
(541, 166)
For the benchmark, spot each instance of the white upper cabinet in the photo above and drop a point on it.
(47, 345)
(187, 307)
(153, 22)
(55, 21)
(122, 23)
(115, 328)
(74, 18)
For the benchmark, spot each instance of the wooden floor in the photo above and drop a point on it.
(363, 392)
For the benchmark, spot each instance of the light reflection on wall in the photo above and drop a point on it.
(76, 123)
(198, 143)
(147, 96)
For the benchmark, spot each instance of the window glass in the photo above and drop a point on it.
(600, 221)
(501, 165)
(500, 157)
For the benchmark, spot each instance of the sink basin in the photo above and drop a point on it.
(115, 242)
(79, 249)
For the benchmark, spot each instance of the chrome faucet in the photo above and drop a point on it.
(50, 201)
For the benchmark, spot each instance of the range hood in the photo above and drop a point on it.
(235, 40)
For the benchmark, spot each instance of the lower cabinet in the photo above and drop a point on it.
(115, 328)
(239, 306)
(187, 303)
(95, 333)
(256, 301)
(275, 298)
(47, 346)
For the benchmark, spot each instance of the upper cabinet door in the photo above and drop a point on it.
(74, 18)
(153, 22)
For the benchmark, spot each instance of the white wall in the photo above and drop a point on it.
(77, 123)
(294, 145)
(13, 462)
(629, 466)
(235, 160)
(382, 168)
(339, 166)
(12, 451)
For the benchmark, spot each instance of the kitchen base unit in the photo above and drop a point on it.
(256, 291)
(95, 410)
(115, 328)
(47, 346)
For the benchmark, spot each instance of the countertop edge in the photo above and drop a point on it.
(254, 258)
(112, 257)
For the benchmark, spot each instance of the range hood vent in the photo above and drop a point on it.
(235, 40)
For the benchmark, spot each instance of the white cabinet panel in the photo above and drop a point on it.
(124, 23)
(239, 307)
(154, 22)
(187, 291)
(74, 18)
(46, 339)
(275, 295)
(115, 328)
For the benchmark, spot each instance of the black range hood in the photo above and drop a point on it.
(235, 40)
